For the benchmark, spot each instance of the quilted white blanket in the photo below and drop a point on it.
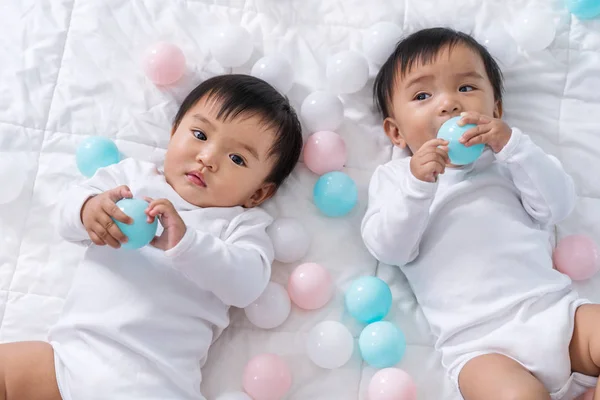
(71, 68)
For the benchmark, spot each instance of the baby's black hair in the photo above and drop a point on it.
(239, 95)
(422, 47)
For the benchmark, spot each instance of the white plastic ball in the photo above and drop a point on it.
(379, 41)
(290, 239)
(276, 71)
(322, 111)
(13, 174)
(329, 345)
(347, 72)
(271, 309)
(234, 396)
(231, 46)
(500, 44)
(533, 30)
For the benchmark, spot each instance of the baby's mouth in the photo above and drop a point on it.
(196, 178)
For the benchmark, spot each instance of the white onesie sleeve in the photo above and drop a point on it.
(547, 191)
(68, 221)
(397, 214)
(236, 266)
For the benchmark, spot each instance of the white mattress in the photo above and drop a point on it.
(69, 69)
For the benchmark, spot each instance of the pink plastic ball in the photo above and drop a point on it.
(325, 152)
(267, 377)
(392, 384)
(310, 286)
(164, 63)
(577, 257)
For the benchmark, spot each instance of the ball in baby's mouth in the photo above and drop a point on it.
(459, 153)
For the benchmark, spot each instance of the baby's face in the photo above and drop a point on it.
(215, 163)
(429, 95)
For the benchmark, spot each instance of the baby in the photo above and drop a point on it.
(473, 240)
(137, 324)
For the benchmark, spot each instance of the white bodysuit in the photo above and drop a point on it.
(137, 324)
(477, 253)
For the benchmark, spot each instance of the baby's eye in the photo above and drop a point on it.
(466, 88)
(237, 159)
(199, 135)
(422, 96)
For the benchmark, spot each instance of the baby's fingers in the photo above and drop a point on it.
(433, 143)
(115, 212)
(96, 239)
(472, 133)
(443, 152)
(113, 230)
(103, 234)
(472, 117)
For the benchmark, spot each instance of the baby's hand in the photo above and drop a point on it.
(430, 160)
(173, 226)
(97, 215)
(490, 131)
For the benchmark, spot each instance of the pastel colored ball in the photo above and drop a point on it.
(231, 46)
(329, 345)
(533, 29)
(459, 154)
(164, 63)
(392, 384)
(267, 377)
(276, 71)
(347, 72)
(335, 194)
(368, 299)
(234, 396)
(290, 239)
(310, 286)
(379, 41)
(271, 309)
(500, 44)
(140, 232)
(322, 111)
(382, 344)
(577, 257)
(324, 152)
(584, 9)
(96, 152)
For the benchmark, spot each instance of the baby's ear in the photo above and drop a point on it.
(393, 132)
(498, 109)
(264, 193)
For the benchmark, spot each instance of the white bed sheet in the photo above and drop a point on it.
(71, 68)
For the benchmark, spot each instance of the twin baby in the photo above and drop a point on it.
(472, 241)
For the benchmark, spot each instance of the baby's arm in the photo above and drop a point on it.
(236, 266)
(398, 213)
(547, 191)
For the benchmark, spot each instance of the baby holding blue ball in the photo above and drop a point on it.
(138, 322)
(466, 218)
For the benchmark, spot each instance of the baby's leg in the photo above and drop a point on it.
(27, 372)
(497, 377)
(585, 343)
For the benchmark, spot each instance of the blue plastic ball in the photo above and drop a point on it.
(584, 9)
(140, 232)
(335, 194)
(382, 344)
(459, 154)
(368, 299)
(96, 152)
